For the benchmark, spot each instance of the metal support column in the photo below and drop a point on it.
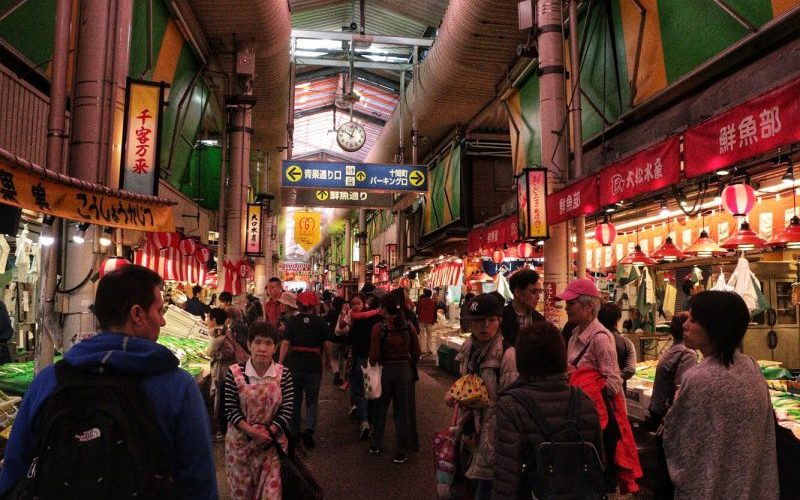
(577, 130)
(554, 142)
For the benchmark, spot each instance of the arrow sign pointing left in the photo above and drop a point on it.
(294, 173)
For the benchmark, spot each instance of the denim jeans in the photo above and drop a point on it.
(357, 388)
(305, 383)
(394, 389)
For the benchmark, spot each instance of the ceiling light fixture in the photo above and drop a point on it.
(80, 236)
(105, 238)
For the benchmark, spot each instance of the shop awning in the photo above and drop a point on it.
(493, 236)
(447, 274)
(33, 187)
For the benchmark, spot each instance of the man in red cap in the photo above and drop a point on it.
(591, 344)
(307, 335)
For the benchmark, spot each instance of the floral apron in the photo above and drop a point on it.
(253, 472)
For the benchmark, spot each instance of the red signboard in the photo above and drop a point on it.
(647, 171)
(759, 125)
(493, 236)
(580, 198)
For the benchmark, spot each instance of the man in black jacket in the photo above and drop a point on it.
(527, 289)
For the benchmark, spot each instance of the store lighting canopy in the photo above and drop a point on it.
(744, 239)
(637, 258)
(704, 247)
(789, 237)
(669, 252)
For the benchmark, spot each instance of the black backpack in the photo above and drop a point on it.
(97, 437)
(563, 466)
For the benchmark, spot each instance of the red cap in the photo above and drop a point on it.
(308, 299)
(579, 287)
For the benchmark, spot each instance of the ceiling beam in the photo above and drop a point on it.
(391, 85)
(360, 114)
(358, 38)
(340, 63)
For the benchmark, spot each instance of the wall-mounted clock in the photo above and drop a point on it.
(351, 136)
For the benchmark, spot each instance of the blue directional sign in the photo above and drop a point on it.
(354, 176)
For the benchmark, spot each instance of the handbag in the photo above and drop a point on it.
(297, 481)
(372, 380)
(444, 461)
(469, 391)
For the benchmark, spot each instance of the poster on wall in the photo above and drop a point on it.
(141, 132)
(254, 220)
(532, 204)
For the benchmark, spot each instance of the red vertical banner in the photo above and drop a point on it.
(532, 204)
(757, 126)
(551, 311)
(579, 198)
(649, 170)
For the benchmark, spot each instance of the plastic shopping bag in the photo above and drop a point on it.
(470, 392)
(372, 380)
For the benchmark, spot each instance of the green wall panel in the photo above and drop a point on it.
(138, 55)
(30, 29)
(531, 120)
(202, 178)
(693, 32)
(187, 66)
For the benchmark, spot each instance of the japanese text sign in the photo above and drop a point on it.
(253, 231)
(356, 176)
(297, 267)
(291, 197)
(26, 189)
(493, 236)
(580, 198)
(140, 137)
(757, 126)
(532, 203)
(646, 171)
(306, 229)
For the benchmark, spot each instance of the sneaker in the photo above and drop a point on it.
(400, 458)
(353, 412)
(308, 440)
(365, 431)
(374, 451)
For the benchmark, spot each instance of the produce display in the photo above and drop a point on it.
(191, 353)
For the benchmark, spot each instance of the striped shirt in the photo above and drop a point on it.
(233, 407)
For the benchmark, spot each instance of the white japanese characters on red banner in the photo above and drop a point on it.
(297, 267)
(140, 154)
(757, 126)
(649, 170)
(580, 198)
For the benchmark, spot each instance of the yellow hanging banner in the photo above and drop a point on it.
(24, 188)
(307, 229)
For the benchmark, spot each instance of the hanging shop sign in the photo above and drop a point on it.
(532, 203)
(580, 198)
(759, 125)
(493, 236)
(296, 267)
(335, 198)
(141, 134)
(40, 193)
(355, 176)
(254, 221)
(646, 171)
(306, 229)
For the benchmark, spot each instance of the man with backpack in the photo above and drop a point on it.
(116, 418)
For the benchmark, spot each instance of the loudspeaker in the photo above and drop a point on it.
(9, 219)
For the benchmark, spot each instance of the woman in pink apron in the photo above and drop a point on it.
(259, 401)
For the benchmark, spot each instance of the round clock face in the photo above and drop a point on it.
(351, 136)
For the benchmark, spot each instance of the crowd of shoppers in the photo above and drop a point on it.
(714, 419)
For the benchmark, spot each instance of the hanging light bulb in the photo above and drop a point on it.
(664, 212)
(788, 177)
(105, 238)
(46, 238)
(80, 236)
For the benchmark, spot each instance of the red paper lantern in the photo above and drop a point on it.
(498, 256)
(404, 282)
(738, 199)
(525, 250)
(163, 240)
(605, 234)
(211, 279)
(203, 254)
(187, 246)
(112, 264)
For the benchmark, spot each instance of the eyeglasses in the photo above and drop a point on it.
(535, 291)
